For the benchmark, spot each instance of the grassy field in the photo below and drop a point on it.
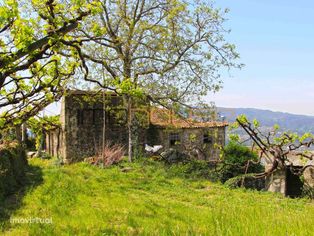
(149, 199)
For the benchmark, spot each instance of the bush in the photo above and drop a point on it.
(193, 169)
(13, 164)
(112, 154)
(235, 160)
(246, 181)
(308, 191)
(172, 156)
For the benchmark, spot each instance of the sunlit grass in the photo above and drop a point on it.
(86, 200)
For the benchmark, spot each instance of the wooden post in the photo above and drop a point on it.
(104, 125)
(130, 128)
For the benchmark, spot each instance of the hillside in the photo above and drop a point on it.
(287, 121)
(147, 199)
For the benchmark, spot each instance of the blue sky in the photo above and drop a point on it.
(276, 42)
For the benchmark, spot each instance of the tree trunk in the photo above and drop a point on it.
(24, 134)
(42, 144)
(18, 133)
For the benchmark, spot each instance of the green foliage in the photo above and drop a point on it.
(150, 200)
(247, 181)
(154, 51)
(256, 123)
(129, 87)
(42, 124)
(193, 169)
(35, 36)
(278, 146)
(8, 134)
(235, 158)
(243, 119)
(13, 164)
(308, 191)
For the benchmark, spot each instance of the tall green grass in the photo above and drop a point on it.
(150, 199)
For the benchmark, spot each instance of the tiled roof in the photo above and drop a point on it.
(165, 118)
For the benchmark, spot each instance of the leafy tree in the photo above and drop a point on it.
(169, 50)
(34, 61)
(172, 52)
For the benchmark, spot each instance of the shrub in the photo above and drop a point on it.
(246, 181)
(193, 169)
(308, 191)
(45, 155)
(235, 160)
(112, 154)
(172, 156)
(13, 164)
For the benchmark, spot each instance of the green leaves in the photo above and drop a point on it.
(235, 160)
(306, 136)
(127, 86)
(172, 50)
(37, 53)
(276, 127)
(256, 123)
(23, 33)
(40, 124)
(234, 137)
(279, 147)
(242, 119)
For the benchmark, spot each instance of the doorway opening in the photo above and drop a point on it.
(294, 185)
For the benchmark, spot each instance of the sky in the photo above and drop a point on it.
(275, 40)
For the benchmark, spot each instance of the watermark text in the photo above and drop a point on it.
(31, 220)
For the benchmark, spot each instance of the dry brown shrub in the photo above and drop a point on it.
(110, 155)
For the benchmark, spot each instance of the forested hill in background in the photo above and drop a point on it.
(287, 121)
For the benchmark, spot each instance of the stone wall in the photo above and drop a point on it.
(200, 142)
(278, 182)
(82, 121)
(83, 126)
(53, 142)
(309, 175)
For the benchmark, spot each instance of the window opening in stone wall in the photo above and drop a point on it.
(174, 138)
(207, 139)
(80, 117)
(98, 116)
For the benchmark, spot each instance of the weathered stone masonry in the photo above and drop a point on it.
(82, 124)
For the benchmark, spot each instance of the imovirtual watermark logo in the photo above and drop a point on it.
(31, 220)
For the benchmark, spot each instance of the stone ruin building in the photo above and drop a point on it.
(286, 180)
(82, 122)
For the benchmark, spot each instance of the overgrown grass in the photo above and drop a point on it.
(149, 199)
